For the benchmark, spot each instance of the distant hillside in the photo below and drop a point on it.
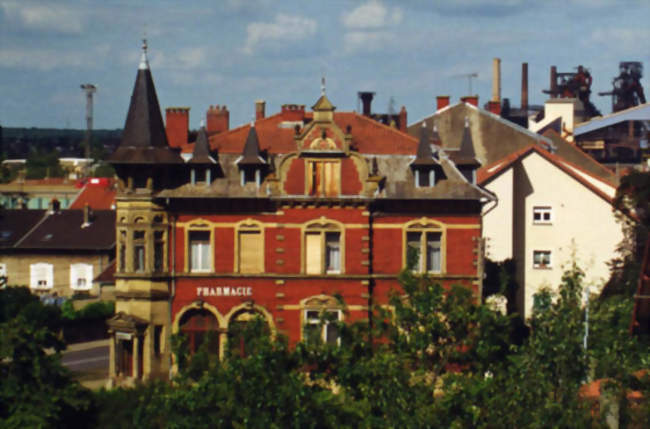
(16, 143)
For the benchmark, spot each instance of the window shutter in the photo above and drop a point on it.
(74, 275)
(251, 253)
(313, 252)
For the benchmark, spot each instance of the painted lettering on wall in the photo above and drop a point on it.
(224, 291)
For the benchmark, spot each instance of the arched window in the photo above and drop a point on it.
(320, 320)
(244, 328)
(424, 246)
(323, 249)
(199, 326)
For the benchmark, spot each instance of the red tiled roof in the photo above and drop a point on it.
(97, 197)
(368, 136)
(108, 275)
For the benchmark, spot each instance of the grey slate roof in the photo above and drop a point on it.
(201, 154)
(251, 154)
(144, 140)
(424, 154)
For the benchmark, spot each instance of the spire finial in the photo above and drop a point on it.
(322, 85)
(202, 123)
(144, 62)
(466, 122)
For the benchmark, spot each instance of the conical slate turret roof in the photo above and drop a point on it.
(144, 140)
(424, 154)
(466, 154)
(251, 154)
(201, 154)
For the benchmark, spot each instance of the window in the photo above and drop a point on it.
(427, 250)
(158, 251)
(122, 252)
(200, 251)
(138, 251)
(542, 215)
(41, 276)
(251, 250)
(157, 340)
(469, 172)
(81, 276)
(323, 253)
(542, 259)
(320, 325)
(424, 177)
(323, 178)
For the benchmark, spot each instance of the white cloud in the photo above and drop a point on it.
(366, 40)
(45, 17)
(371, 15)
(626, 40)
(50, 59)
(284, 28)
(191, 58)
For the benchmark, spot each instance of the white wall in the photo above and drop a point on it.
(497, 221)
(583, 228)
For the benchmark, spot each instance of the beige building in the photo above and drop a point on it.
(550, 214)
(56, 252)
(553, 200)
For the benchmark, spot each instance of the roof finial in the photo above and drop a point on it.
(202, 123)
(144, 62)
(253, 121)
(466, 122)
(322, 84)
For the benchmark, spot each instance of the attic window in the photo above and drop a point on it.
(425, 178)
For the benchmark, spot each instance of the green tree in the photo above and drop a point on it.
(35, 390)
(41, 164)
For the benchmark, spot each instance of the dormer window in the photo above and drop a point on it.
(469, 173)
(424, 177)
(250, 175)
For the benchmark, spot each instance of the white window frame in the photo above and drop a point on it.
(543, 211)
(81, 273)
(327, 265)
(41, 276)
(537, 265)
(3, 273)
(315, 319)
(202, 248)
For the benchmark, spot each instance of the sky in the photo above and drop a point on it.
(233, 52)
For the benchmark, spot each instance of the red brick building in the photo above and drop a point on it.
(275, 219)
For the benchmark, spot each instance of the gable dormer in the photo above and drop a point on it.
(202, 161)
(426, 166)
(252, 165)
(465, 157)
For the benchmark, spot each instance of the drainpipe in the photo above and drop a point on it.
(172, 294)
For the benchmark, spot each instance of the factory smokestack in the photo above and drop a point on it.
(496, 80)
(524, 86)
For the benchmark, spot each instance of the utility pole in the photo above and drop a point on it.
(89, 89)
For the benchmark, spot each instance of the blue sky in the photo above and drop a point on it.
(234, 52)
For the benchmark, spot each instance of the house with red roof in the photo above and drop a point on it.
(554, 202)
(295, 215)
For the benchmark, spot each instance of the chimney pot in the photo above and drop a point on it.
(494, 107)
(442, 101)
(366, 99)
(260, 106)
(470, 99)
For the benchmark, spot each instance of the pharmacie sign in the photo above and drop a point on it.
(224, 291)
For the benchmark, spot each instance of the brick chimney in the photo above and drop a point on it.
(260, 107)
(177, 123)
(217, 119)
(470, 99)
(402, 119)
(293, 112)
(366, 101)
(442, 101)
(494, 107)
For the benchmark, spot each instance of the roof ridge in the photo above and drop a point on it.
(377, 123)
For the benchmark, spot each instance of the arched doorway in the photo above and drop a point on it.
(245, 327)
(200, 326)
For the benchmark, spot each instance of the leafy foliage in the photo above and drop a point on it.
(35, 390)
